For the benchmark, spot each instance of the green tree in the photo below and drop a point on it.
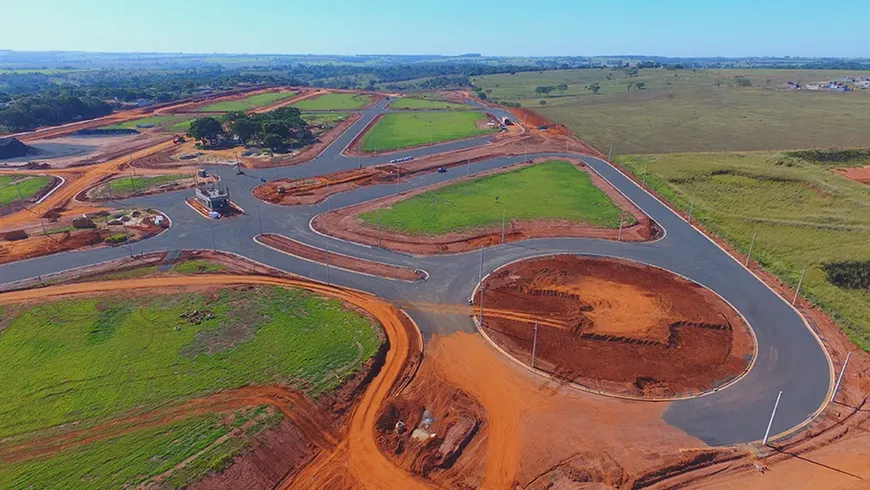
(542, 102)
(640, 85)
(595, 88)
(562, 88)
(245, 128)
(206, 129)
(544, 90)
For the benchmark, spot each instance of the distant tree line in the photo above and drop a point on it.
(278, 130)
(31, 111)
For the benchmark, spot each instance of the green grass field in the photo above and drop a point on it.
(248, 103)
(158, 121)
(28, 185)
(803, 214)
(398, 130)
(334, 102)
(132, 459)
(692, 111)
(553, 190)
(86, 361)
(133, 184)
(313, 118)
(420, 103)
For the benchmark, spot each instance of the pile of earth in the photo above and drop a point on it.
(12, 148)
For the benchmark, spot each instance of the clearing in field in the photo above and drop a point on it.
(399, 130)
(318, 118)
(248, 103)
(667, 111)
(118, 357)
(27, 185)
(801, 213)
(333, 102)
(421, 103)
(553, 190)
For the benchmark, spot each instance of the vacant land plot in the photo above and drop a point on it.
(406, 129)
(135, 184)
(685, 110)
(151, 121)
(27, 185)
(420, 103)
(548, 191)
(224, 339)
(315, 118)
(332, 102)
(803, 214)
(248, 103)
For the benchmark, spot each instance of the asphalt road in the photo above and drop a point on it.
(789, 357)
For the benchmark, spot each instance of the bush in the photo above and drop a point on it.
(831, 155)
(81, 223)
(852, 274)
(116, 239)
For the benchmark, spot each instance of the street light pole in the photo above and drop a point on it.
(534, 345)
(211, 228)
(503, 215)
(621, 222)
(772, 415)
(751, 246)
(840, 378)
(259, 221)
(327, 264)
(800, 283)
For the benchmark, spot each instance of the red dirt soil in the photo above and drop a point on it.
(630, 329)
(345, 223)
(297, 249)
(858, 174)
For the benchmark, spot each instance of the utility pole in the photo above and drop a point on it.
(398, 176)
(20, 199)
(503, 214)
(840, 378)
(259, 221)
(643, 182)
(751, 246)
(127, 241)
(480, 275)
(327, 264)
(621, 222)
(379, 228)
(534, 345)
(468, 167)
(211, 227)
(772, 415)
(800, 283)
(610, 154)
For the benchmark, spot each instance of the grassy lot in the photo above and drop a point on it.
(802, 212)
(88, 360)
(28, 185)
(158, 121)
(248, 103)
(405, 129)
(199, 267)
(420, 103)
(132, 459)
(551, 190)
(687, 111)
(334, 102)
(138, 183)
(313, 118)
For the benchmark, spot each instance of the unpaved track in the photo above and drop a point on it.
(363, 459)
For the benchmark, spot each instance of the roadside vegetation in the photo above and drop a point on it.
(659, 110)
(425, 103)
(332, 102)
(398, 130)
(801, 212)
(28, 185)
(553, 190)
(248, 103)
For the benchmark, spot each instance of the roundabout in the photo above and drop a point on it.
(665, 319)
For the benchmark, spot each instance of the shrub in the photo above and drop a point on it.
(116, 239)
(82, 223)
(852, 274)
(831, 155)
(15, 235)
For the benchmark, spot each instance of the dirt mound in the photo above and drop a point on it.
(625, 328)
(858, 174)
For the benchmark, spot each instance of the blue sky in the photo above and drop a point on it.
(497, 27)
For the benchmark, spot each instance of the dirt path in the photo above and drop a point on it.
(359, 454)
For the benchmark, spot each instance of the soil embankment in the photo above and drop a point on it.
(628, 329)
(320, 256)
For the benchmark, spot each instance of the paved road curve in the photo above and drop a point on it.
(789, 357)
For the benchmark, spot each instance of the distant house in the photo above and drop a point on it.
(789, 86)
(863, 84)
(813, 86)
